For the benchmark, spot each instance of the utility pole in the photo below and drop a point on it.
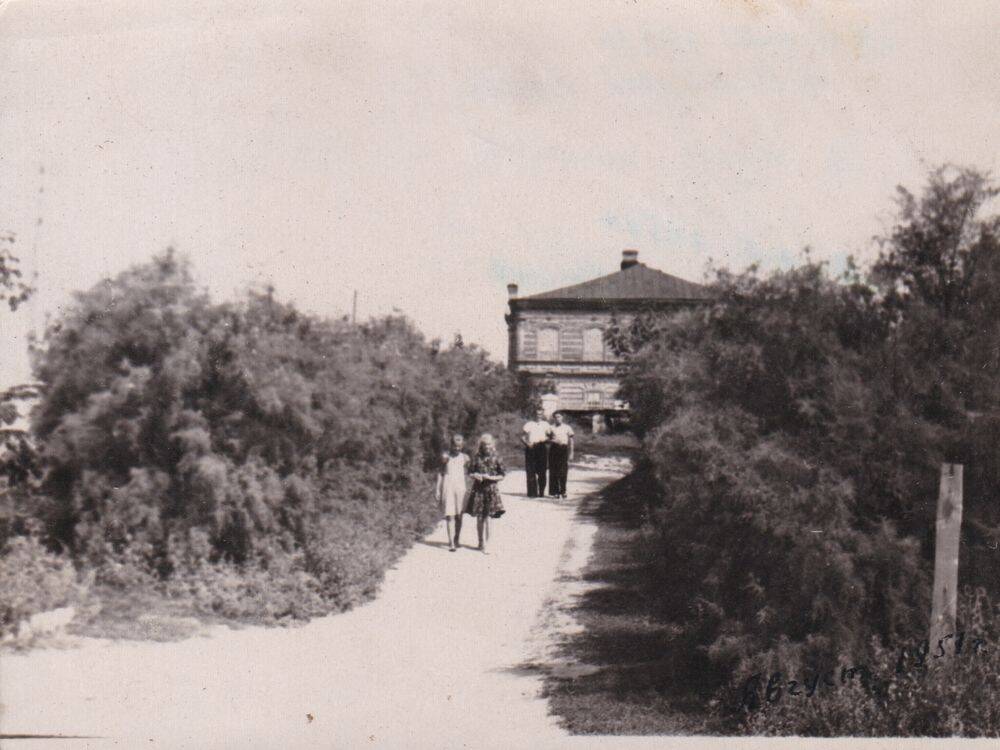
(944, 601)
(354, 309)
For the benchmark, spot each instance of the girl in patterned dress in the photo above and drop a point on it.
(486, 470)
(451, 488)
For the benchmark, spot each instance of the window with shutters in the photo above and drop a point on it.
(529, 344)
(571, 344)
(593, 345)
(548, 344)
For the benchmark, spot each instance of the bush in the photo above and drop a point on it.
(32, 580)
(762, 552)
(793, 431)
(280, 592)
(940, 693)
(265, 461)
(774, 525)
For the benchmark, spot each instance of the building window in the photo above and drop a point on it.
(548, 344)
(593, 345)
(594, 398)
(570, 394)
(571, 344)
(529, 344)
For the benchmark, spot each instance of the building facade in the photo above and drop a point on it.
(559, 336)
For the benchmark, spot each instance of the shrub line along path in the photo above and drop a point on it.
(436, 660)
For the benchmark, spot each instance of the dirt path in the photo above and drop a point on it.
(432, 662)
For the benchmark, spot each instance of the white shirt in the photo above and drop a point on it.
(561, 433)
(537, 432)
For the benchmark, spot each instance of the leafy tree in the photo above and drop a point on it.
(180, 438)
(17, 456)
(13, 289)
(937, 272)
(940, 243)
(793, 431)
(756, 415)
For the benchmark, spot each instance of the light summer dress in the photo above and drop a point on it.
(453, 485)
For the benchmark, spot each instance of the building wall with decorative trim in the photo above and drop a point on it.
(560, 336)
(569, 349)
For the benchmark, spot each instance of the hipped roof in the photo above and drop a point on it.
(638, 282)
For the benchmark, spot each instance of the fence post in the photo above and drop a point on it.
(944, 602)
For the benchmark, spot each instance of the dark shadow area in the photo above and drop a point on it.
(438, 545)
(620, 675)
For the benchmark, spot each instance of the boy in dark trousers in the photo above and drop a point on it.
(560, 454)
(535, 439)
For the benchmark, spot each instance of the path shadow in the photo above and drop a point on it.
(628, 669)
(438, 545)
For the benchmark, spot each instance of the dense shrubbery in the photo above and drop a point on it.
(941, 693)
(260, 461)
(793, 432)
(32, 580)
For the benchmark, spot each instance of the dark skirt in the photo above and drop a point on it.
(484, 500)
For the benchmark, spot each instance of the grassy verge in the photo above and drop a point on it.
(138, 616)
(349, 552)
(626, 650)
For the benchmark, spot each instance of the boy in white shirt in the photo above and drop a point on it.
(560, 454)
(535, 439)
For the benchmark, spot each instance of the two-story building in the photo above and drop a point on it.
(559, 336)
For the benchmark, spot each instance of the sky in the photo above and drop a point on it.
(426, 154)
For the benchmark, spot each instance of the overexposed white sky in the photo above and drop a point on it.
(425, 154)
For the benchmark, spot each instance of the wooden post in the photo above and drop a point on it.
(944, 604)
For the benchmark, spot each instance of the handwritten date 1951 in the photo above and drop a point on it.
(910, 658)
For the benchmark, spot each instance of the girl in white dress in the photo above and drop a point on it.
(451, 488)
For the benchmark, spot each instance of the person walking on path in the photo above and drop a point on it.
(560, 454)
(486, 471)
(535, 439)
(451, 488)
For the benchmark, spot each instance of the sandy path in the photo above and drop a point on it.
(432, 662)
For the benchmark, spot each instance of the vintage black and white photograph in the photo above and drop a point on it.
(464, 375)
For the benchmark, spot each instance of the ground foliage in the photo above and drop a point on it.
(256, 460)
(793, 432)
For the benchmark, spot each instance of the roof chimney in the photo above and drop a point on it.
(512, 290)
(629, 258)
